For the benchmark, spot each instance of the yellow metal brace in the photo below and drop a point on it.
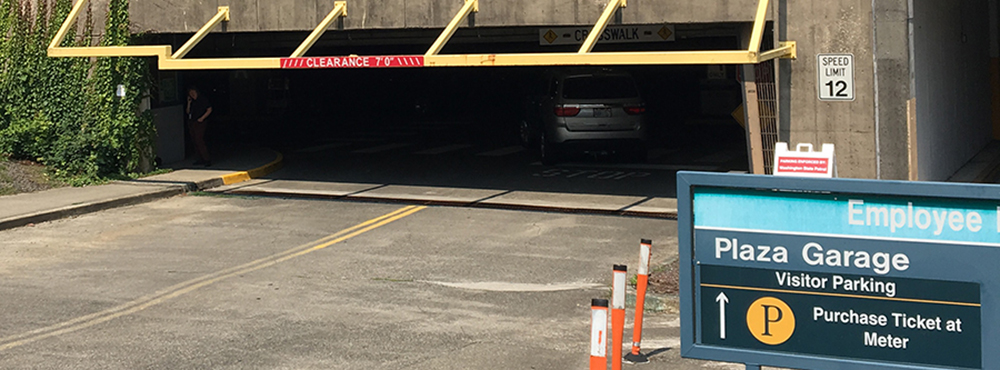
(70, 20)
(602, 23)
(168, 61)
(220, 16)
(785, 50)
(161, 52)
(758, 27)
(339, 10)
(471, 6)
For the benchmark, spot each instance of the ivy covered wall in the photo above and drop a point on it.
(64, 112)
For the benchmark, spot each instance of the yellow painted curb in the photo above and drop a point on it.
(238, 177)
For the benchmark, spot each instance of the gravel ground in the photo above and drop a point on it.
(23, 177)
(666, 281)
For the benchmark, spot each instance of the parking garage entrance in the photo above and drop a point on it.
(378, 114)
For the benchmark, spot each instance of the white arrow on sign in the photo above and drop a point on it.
(722, 299)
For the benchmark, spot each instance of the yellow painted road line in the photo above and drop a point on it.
(911, 300)
(242, 176)
(195, 284)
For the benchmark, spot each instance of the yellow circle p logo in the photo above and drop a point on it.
(771, 321)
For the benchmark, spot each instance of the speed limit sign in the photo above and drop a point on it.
(836, 77)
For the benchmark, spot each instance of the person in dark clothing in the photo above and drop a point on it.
(198, 111)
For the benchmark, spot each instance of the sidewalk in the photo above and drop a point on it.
(231, 166)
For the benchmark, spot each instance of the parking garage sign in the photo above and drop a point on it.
(838, 273)
(836, 77)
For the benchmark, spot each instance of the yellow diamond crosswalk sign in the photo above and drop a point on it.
(550, 36)
(665, 33)
(740, 115)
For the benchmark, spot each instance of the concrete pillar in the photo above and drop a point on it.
(891, 65)
(751, 110)
(842, 26)
(755, 146)
(783, 70)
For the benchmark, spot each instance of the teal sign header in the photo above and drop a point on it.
(864, 216)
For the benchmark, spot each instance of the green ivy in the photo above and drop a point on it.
(64, 112)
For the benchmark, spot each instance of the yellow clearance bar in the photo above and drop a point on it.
(175, 61)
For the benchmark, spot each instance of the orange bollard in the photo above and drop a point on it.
(599, 334)
(642, 281)
(618, 316)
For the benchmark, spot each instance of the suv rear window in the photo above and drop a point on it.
(599, 87)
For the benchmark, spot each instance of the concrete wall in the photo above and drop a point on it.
(843, 26)
(951, 46)
(170, 16)
(99, 9)
(99, 14)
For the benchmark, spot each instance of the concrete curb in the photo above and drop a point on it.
(164, 191)
(90, 207)
(243, 176)
(669, 214)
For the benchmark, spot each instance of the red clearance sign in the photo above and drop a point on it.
(803, 165)
(395, 61)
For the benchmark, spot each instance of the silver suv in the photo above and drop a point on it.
(585, 110)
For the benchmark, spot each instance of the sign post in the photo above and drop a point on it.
(830, 273)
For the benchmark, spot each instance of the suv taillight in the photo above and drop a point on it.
(633, 110)
(566, 111)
